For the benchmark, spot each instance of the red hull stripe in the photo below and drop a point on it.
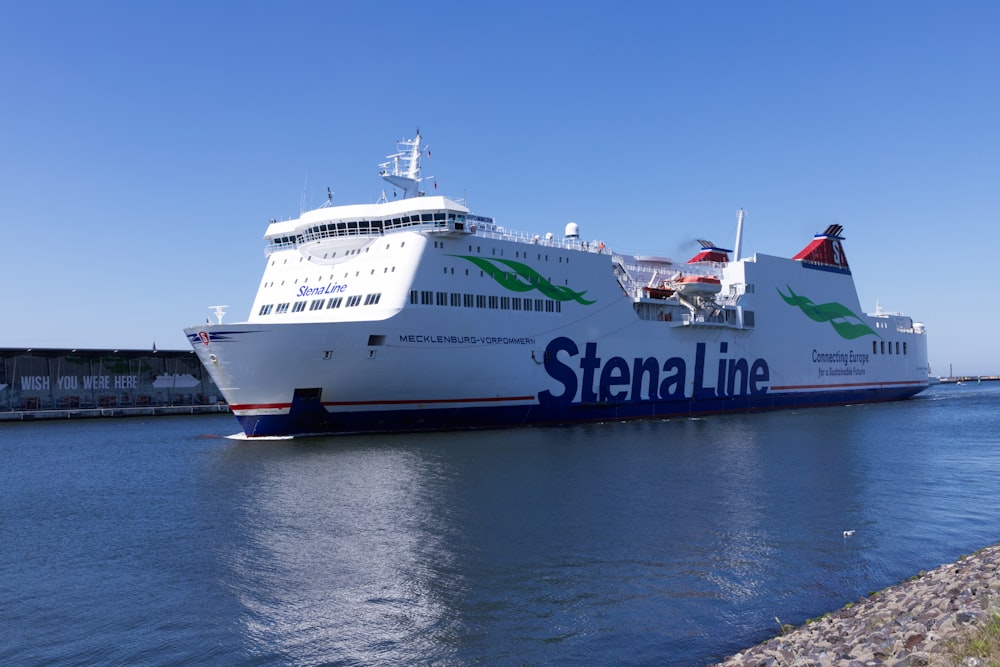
(880, 385)
(261, 406)
(503, 399)
(432, 401)
(429, 401)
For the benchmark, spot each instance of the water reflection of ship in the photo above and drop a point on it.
(321, 565)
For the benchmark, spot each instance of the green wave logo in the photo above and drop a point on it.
(518, 277)
(836, 314)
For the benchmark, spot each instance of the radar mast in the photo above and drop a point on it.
(402, 168)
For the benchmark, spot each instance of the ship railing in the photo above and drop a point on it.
(338, 233)
(624, 278)
(703, 318)
(275, 247)
(272, 247)
(730, 318)
(318, 235)
(633, 277)
(903, 323)
(494, 231)
(482, 227)
(702, 269)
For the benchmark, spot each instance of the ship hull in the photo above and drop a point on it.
(383, 376)
(414, 314)
(312, 418)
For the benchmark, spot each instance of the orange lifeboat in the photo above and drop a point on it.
(659, 292)
(699, 285)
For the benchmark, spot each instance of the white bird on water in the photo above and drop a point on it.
(848, 533)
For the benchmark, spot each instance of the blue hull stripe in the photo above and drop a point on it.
(309, 417)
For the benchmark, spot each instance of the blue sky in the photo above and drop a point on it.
(144, 145)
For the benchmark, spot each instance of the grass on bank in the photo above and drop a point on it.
(980, 647)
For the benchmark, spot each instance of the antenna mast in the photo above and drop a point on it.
(739, 235)
(220, 312)
(402, 168)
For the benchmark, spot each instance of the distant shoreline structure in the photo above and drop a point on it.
(105, 413)
(962, 379)
(64, 383)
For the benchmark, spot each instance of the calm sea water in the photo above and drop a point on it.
(158, 541)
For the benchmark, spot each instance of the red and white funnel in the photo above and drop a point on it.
(825, 251)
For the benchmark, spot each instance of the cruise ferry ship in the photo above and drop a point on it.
(413, 313)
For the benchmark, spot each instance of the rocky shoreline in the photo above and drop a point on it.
(916, 622)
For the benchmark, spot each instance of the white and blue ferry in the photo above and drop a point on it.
(414, 314)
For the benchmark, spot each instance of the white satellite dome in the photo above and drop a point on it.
(572, 230)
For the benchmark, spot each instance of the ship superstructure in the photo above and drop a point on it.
(414, 314)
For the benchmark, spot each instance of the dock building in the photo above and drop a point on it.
(59, 383)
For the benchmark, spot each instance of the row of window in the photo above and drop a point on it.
(376, 227)
(490, 301)
(331, 228)
(883, 347)
(540, 256)
(423, 298)
(319, 304)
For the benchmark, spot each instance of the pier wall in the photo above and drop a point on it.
(59, 383)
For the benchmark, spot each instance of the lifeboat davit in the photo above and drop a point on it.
(699, 286)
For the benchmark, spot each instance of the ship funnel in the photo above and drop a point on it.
(825, 251)
(710, 253)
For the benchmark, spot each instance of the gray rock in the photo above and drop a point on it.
(907, 624)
